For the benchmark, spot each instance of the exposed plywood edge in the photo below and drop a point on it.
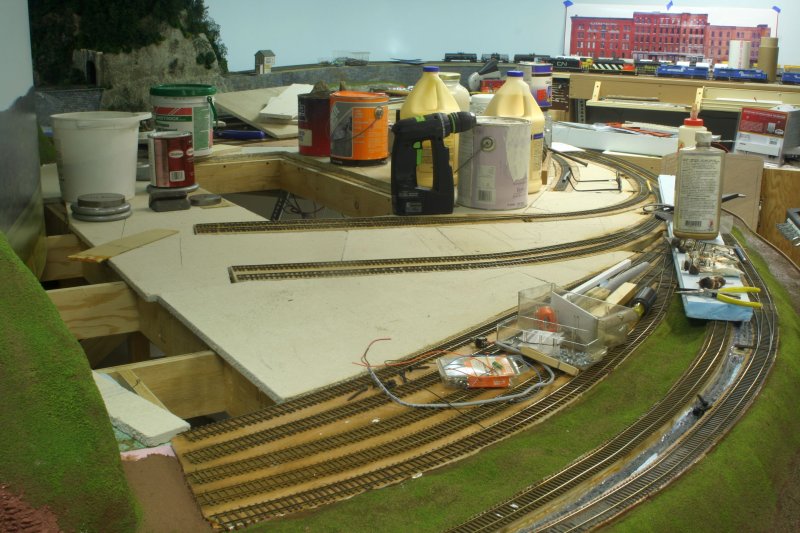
(336, 192)
(166, 331)
(240, 174)
(58, 266)
(98, 254)
(97, 310)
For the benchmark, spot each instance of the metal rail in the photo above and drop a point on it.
(221, 477)
(510, 423)
(703, 435)
(240, 273)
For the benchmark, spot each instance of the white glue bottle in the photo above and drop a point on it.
(686, 133)
(698, 190)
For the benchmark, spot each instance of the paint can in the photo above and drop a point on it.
(313, 123)
(494, 158)
(186, 107)
(359, 128)
(171, 159)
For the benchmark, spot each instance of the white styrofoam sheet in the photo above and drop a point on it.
(600, 139)
(135, 416)
(293, 336)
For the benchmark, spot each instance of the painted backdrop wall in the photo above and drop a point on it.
(310, 31)
(21, 214)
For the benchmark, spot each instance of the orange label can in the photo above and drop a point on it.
(359, 128)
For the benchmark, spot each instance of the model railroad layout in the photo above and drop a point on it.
(525, 511)
(351, 437)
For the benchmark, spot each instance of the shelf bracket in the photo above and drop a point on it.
(596, 92)
(698, 98)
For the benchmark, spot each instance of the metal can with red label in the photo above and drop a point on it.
(171, 159)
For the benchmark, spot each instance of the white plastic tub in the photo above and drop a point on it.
(96, 152)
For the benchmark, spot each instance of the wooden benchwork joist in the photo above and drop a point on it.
(189, 381)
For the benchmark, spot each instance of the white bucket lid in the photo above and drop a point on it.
(99, 119)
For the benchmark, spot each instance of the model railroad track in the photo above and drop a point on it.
(706, 432)
(238, 480)
(625, 238)
(644, 182)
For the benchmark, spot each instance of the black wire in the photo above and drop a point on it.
(444, 400)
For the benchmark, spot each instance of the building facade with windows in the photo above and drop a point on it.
(660, 36)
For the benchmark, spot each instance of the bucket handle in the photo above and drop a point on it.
(213, 109)
(103, 124)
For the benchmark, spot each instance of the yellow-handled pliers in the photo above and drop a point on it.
(726, 294)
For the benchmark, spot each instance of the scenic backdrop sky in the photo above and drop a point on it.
(314, 30)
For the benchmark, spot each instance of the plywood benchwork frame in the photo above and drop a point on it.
(190, 380)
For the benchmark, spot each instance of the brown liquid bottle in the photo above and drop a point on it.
(698, 190)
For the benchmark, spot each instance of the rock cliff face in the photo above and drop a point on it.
(128, 77)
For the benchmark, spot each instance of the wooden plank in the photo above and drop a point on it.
(105, 251)
(97, 310)
(672, 90)
(138, 386)
(623, 294)
(239, 174)
(284, 106)
(241, 396)
(166, 331)
(99, 348)
(56, 220)
(138, 347)
(339, 193)
(549, 361)
(188, 385)
(247, 105)
(58, 266)
(780, 190)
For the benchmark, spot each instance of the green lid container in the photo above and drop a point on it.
(183, 89)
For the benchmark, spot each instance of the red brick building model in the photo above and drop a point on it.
(717, 40)
(660, 36)
(601, 37)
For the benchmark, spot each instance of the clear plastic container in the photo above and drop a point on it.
(459, 92)
(514, 99)
(430, 95)
(558, 326)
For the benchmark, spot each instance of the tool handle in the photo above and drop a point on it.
(733, 300)
(646, 298)
(739, 290)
